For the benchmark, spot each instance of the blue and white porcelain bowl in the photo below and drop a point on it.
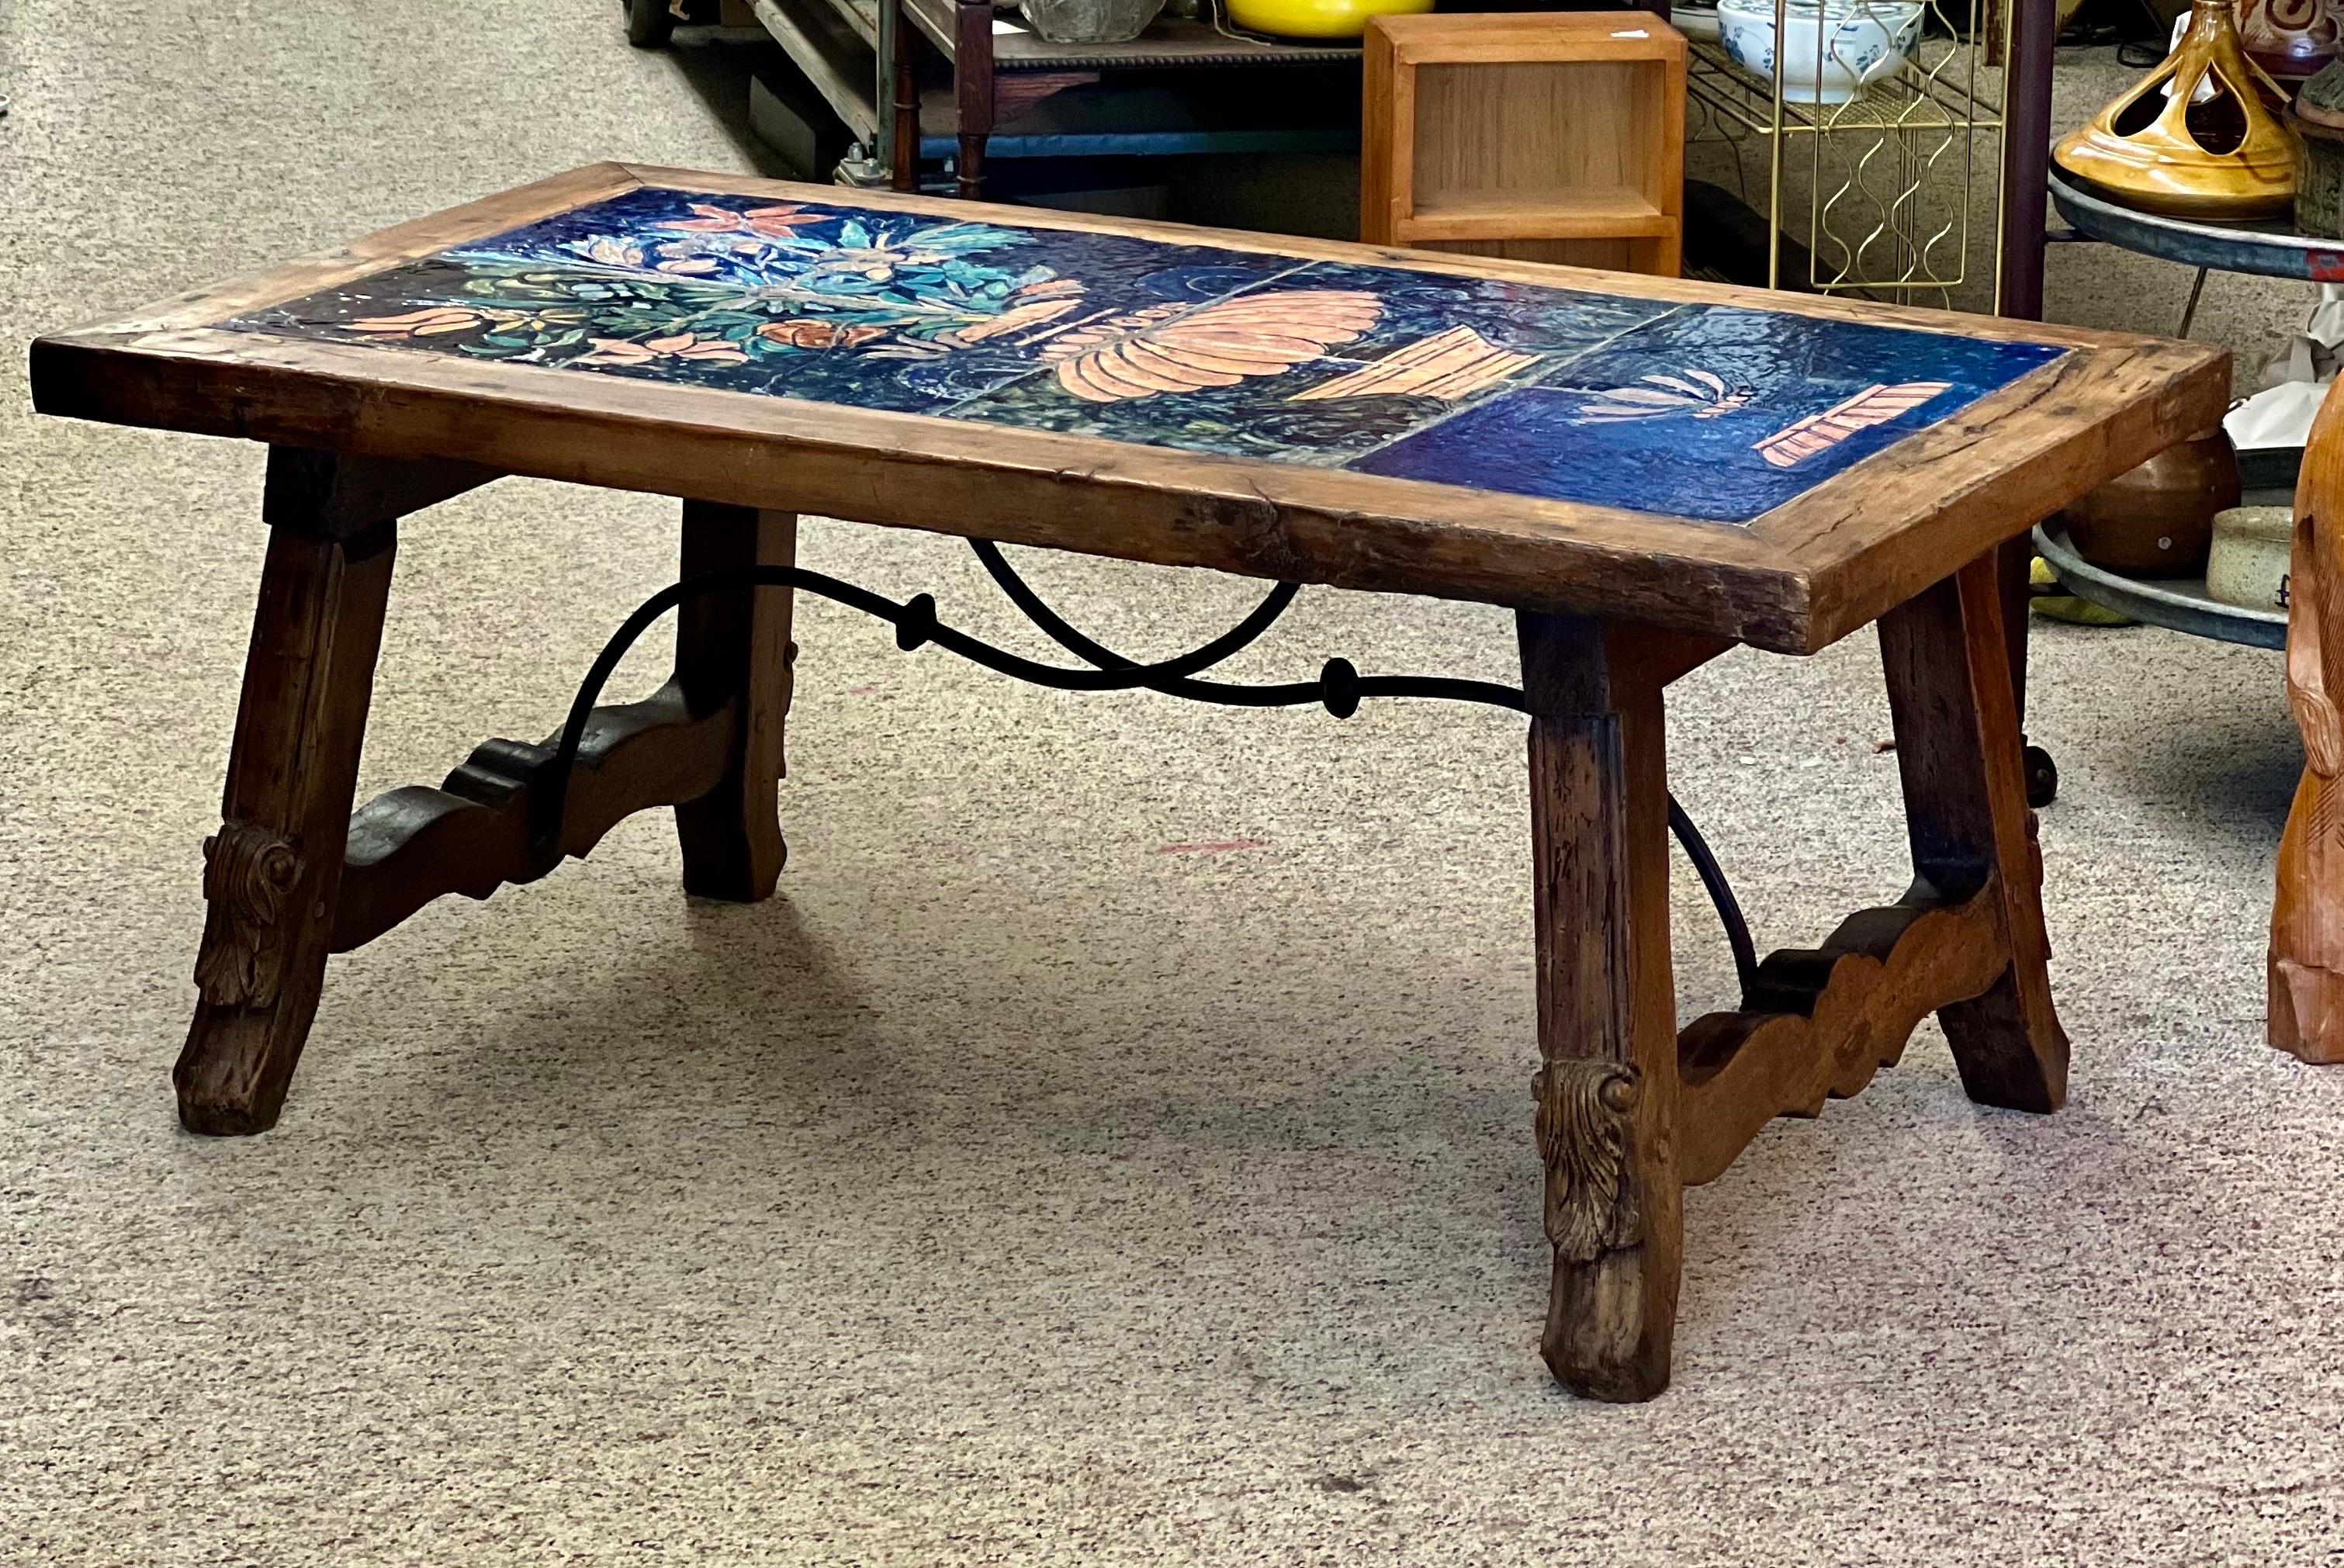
(1830, 49)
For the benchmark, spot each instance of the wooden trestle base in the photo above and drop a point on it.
(293, 876)
(1628, 1111)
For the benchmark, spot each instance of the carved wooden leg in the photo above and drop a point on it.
(1957, 748)
(272, 871)
(1607, 1086)
(736, 647)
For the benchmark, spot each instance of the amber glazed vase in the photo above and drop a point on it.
(2200, 136)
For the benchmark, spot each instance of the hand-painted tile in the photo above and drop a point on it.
(829, 304)
(1711, 412)
(1290, 418)
(1253, 375)
(1523, 317)
(1558, 392)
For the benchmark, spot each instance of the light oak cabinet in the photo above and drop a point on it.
(1545, 136)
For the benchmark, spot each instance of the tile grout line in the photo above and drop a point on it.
(1500, 390)
(952, 411)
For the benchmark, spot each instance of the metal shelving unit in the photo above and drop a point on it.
(1025, 97)
(836, 44)
(2182, 605)
(1188, 102)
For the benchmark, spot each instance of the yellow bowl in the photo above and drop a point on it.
(1317, 18)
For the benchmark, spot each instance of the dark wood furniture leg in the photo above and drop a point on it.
(707, 742)
(903, 43)
(2025, 175)
(1606, 1088)
(2026, 157)
(1966, 941)
(734, 648)
(272, 875)
(1630, 1112)
(273, 870)
(1957, 748)
(2014, 567)
(293, 876)
(973, 91)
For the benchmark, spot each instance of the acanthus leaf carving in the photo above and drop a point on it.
(247, 872)
(1586, 1110)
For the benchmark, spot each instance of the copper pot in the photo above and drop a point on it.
(2158, 520)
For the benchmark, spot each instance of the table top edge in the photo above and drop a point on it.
(1541, 554)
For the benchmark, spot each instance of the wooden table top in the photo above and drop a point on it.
(1775, 468)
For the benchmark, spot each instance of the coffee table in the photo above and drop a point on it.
(1647, 471)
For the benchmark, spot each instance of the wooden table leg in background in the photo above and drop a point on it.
(2013, 577)
(904, 46)
(708, 742)
(2025, 174)
(2014, 571)
(2033, 30)
(735, 648)
(1607, 1083)
(1945, 657)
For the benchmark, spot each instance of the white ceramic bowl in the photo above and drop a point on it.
(1830, 49)
(1695, 21)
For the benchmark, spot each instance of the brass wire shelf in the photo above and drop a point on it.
(1882, 189)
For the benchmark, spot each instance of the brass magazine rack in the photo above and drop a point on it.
(1882, 191)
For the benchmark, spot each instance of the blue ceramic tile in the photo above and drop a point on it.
(1711, 412)
(1559, 392)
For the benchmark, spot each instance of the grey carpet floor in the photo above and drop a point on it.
(1041, 1179)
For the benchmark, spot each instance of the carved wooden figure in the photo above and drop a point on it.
(2307, 941)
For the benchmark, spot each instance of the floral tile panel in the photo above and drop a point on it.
(1245, 420)
(1703, 411)
(827, 304)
